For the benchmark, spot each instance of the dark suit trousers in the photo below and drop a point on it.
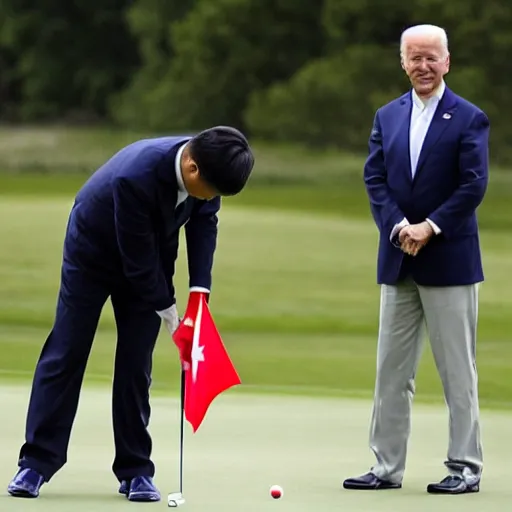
(60, 370)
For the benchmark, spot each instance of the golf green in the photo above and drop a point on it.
(248, 443)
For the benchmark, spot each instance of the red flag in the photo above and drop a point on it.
(209, 370)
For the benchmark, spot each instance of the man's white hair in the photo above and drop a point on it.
(425, 30)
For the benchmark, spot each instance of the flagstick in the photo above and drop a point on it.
(182, 423)
(176, 499)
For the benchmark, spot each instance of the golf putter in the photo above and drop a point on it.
(175, 499)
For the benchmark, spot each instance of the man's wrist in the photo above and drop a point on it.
(200, 289)
(169, 314)
(435, 228)
(430, 229)
(397, 228)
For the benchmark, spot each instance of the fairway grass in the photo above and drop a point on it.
(294, 297)
(245, 445)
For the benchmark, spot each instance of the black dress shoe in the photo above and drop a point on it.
(369, 482)
(453, 484)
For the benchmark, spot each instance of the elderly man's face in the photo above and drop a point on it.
(426, 62)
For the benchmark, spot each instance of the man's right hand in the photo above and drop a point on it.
(410, 243)
(170, 318)
(182, 338)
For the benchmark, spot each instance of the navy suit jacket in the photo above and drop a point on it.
(449, 184)
(124, 225)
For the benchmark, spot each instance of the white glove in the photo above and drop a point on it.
(170, 318)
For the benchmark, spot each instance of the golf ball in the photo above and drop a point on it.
(276, 491)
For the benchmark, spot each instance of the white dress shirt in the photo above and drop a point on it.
(421, 116)
(182, 191)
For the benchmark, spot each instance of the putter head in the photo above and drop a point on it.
(175, 499)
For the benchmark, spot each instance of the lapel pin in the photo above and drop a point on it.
(447, 116)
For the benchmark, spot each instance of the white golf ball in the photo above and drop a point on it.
(276, 491)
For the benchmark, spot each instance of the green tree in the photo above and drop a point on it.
(332, 100)
(226, 49)
(70, 56)
(9, 86)
(329, 102)
(150, 23)
(377, 22)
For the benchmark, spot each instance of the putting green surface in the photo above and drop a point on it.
(248, 443)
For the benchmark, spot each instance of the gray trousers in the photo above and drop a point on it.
(450, 317)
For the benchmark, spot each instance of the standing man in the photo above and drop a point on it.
(425, 175)
(122, 242)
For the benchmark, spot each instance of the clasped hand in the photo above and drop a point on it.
(415, 236)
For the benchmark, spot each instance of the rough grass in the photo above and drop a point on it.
(294, 298)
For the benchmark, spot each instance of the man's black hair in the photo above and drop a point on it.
(224, 158)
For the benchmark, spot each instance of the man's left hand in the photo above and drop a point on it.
(410, 247)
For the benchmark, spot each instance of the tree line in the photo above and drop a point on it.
(282, 70)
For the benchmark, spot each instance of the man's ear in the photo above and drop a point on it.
(194, 169)
(190, 169)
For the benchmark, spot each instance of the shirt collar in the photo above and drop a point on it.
(177, 167)
(438, 94)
